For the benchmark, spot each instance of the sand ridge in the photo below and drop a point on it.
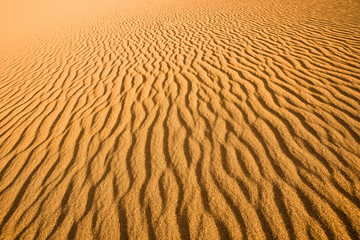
(182, 120)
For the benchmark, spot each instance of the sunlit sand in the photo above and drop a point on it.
(165, 119)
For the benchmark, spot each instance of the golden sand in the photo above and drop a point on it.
(189, 119)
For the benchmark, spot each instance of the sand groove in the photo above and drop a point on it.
(185, 120)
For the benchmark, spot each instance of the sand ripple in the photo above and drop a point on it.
(185, 120)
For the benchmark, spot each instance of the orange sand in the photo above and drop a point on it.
(189, 119)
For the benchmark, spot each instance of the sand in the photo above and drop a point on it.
(189, 119)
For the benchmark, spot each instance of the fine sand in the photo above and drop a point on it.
(179, 119)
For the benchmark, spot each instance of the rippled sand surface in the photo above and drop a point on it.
(189, 119)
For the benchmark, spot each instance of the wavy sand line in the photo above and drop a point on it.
(184, 120)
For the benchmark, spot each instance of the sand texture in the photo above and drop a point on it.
(179, 119)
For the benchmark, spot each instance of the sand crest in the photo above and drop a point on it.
(190, 119)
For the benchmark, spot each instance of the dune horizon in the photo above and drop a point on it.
(179, 119)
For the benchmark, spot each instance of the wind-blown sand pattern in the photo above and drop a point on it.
(180, 119)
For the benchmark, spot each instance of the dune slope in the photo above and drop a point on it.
(181, 120)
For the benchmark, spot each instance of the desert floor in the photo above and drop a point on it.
(179, 119)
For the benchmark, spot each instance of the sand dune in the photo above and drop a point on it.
(180, 119)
